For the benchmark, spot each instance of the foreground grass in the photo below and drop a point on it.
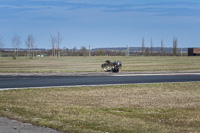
(93, 64)
(167, 107)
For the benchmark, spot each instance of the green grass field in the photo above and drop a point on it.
(93, 64)
(152, 108)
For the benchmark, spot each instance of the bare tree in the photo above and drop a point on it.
(53, 43)
(175, 43)
(30, 43)
(59, 40)
(147, 51)
(64, 51)
(73, 51)
(100, 52)
(162, 47)
(151, 47)
(83, 51)
(143, 46)
(1, 44)
(16, 44)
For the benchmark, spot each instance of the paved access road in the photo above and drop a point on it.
(9, 81)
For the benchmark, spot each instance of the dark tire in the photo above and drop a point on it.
(115, 70)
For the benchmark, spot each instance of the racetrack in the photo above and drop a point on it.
(83, 79)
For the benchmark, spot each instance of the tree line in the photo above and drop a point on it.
(162, 52)
(56, 51)
(30, 44)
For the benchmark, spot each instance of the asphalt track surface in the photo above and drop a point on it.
(10, 82)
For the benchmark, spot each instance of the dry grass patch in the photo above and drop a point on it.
(168, 107)
(93, 64)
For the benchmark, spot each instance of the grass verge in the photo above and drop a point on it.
(166, 107)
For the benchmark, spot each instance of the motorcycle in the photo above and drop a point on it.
(109, 66)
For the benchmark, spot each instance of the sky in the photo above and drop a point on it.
(101, 23)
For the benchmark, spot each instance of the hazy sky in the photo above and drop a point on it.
(102, 23)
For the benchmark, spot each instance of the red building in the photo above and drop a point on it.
(193, 51)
